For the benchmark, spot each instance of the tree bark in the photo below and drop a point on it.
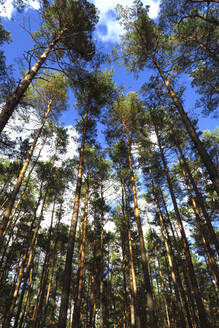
(190, 128)
(201, 227)
(71, 239)
(16, 96)
(132, 278)
(201, 310)
(7, 212)
(200, 201)
(171, 261)
(149, 293)
(78, 293)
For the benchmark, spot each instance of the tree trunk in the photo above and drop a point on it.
(200, 201)
(201, 227)
(190, 128)
(44, 277)
(16, 189)
(78, 293)
(28, 266)
(132, 278)
(101, 260)
(16, 96)
(25, 300)
(71, 240)
(182, 322)
(149, 294)
(186, 294)
(201, 310)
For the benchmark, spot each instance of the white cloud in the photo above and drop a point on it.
(108, 28)
(7, 10)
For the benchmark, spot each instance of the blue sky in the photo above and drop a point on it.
(107, 34)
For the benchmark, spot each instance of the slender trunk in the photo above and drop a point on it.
(19, 308)
(78, 293)
(28, 266)
(201, 227)
(26, 185)
(190, 128)
(200, 201)
(101, 260)
(16, 96)
(71, 240)
(51, 269)
(16, 189)
(201, 310)
(92, 301)
(132, 278)
(26, 299)
(182, 322)
(164, 297)
(125, 295)
(44, 277)
(149, 294)
(186, 294)
(184, 303)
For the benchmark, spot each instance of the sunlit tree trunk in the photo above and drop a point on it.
(190, 128)
(16, 96)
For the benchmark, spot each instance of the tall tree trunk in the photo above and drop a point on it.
(26, 185)
(101, 259)
(149, 294)
(171, 261)
(132, 278)
(78, 293)
(71, 239)
(201, 227)
(201, 310)
(200, 201)
(123, 265)
(16, 96)
(16, 188)
(190, 304)
(24, 289)
(28, 266)
(44, 277)
(164, 296)
(190, 128)
(22, 313)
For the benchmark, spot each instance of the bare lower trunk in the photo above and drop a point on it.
(201, 310)
(78, 294)
(182, 322)
(149, 294)
(71, 239)
(132, 278)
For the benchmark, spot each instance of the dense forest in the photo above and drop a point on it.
(120, 233)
